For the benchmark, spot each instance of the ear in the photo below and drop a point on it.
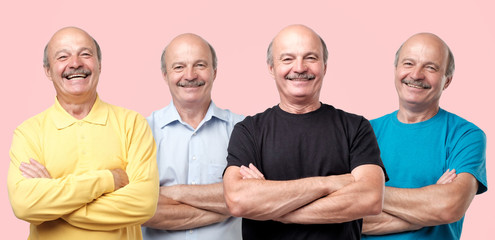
(325, 69)
(447, 83)
(214, 75)
(271, 70)
(47, 73)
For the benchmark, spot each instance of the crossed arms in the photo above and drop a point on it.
(95, 199)
(406, 209)
(314, 200)
(183, 207)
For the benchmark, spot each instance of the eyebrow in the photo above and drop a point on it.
(79, 50)
(427, 63)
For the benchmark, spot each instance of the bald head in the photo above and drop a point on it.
(295, 30)
(188, 38)
(68, 31)
(431, 40)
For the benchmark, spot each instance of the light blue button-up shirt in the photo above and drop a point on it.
(193, 156)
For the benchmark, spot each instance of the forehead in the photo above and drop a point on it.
(297, 41)
(186, 50)
(425, 48)
(70, 40)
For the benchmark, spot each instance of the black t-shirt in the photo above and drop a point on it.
(285, 146)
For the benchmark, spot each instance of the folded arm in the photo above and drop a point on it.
(260, 199)
(385, 223)
(183, 207)
(362, 197)
(136, 202)
(432, 205)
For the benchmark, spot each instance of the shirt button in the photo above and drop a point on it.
(194, 158)
(80, 123)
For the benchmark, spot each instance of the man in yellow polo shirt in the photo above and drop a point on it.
(82, 169)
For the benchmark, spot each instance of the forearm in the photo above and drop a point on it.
(265, 199)
(385, 223)
(41, 199)
(356, 200)
(172, 215)
(130, 205)
(208, 197)
(432, 205)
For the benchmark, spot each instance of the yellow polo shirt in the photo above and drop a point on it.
(79, 202)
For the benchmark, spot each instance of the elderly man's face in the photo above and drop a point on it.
(298, 66)
(190, 72)
(74, 66)
(420, 73)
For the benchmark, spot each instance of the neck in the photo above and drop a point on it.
(192, 114)
(299, 107)
(416, 114)
(77, 107)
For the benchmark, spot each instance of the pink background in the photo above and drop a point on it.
(362, 37)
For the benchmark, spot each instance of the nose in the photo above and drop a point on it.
(299, 66)
(75, 62)
(190, 74)
(417, 73)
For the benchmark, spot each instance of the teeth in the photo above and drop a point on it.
(76, 76)
(414, 86)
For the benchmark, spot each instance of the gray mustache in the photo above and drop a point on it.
(416, 83)
(194, 83)
(298, 76)
(76, 71)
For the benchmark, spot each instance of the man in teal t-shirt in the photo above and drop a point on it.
(435, 159)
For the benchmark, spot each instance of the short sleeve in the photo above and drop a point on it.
(468, 154)
(364, 147)
(242, 147)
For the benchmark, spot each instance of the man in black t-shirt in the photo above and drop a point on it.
(302, 169)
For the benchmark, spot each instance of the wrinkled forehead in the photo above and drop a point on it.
(70, 40)
(297, 42)
(185, 50)
(425, 47)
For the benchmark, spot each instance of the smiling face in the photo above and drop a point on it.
(420, 72)
(73, 65)
(298, 66)
(189, 70)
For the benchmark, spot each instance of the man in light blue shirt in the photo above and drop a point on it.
(192, 136)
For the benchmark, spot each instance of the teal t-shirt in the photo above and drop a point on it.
(416, 155)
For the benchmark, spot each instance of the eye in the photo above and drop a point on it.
(177, 68)
(62, 57)
(432, 68)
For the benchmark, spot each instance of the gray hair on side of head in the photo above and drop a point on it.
(449, 72)
(269, 52)
(214, 60)
(46, 62)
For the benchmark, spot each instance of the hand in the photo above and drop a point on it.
(447, 177)
(34, 169)
(251, 173)
(120, 178)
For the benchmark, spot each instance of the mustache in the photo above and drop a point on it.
(416, 83)
(76, 72)
(300, 76)
(193, 83)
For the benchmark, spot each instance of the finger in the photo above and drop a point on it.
(256, 171)
(27, 171)
(41, 168)
(246, 173)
